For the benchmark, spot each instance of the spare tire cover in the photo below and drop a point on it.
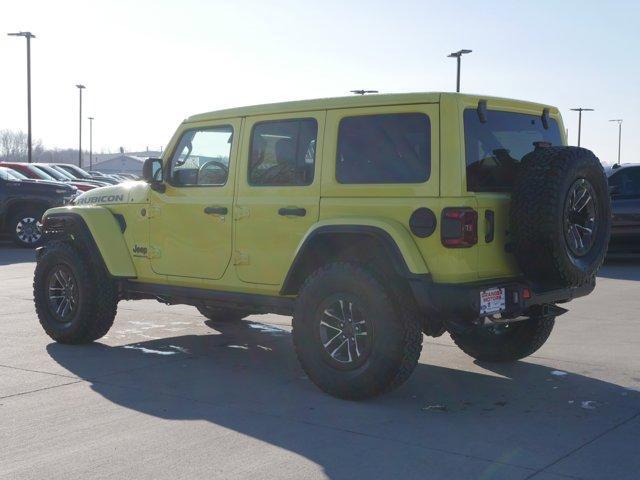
(560, 218)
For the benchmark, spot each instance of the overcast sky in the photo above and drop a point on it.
(149, 64)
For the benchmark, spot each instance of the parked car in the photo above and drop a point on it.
(371, 220)
(63, 176)
(23, 201)
(130, 176)
(624, 185)
(81, 174)
(32, 171)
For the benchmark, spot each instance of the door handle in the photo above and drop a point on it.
(293, 211)
(216, 210)
(491, 226)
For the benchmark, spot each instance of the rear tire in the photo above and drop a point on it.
(353, 337)
(505, 343)
(216, 314)
(75, 300)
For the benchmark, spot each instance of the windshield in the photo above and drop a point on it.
(53, 173)
(8, 174)
(494, 149)
(76, 171)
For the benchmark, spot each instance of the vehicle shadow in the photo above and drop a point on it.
(627, 268)
(245, 377)
(9, 254)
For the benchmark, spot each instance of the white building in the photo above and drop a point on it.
(122, 163)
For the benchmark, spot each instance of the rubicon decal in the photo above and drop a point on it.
(101, 199)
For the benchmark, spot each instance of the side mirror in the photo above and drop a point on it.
(152, 174)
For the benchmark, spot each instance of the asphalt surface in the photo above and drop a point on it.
(167, 395)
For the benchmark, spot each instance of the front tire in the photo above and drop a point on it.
(75, 300)
(505, 343)
(353, 337)
(23, 226)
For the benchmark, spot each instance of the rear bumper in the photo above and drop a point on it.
(462, 301)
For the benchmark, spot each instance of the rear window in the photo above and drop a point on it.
(493, 149)
(391, 148)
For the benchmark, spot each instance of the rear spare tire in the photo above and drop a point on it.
(560, 216)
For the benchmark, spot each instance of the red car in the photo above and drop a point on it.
(36, 173)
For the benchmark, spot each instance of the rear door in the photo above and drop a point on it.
(493, 150)
(278, 192)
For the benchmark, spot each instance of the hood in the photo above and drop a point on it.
(45, 187)
(126, 192)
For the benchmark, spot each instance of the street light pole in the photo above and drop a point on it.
(28, 36)
(619, 122)
(90, 143)
(580, 110)
(457, 56)
(80, 88)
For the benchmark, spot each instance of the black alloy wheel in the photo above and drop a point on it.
(580, 217)
(62, 293)
(345, 333)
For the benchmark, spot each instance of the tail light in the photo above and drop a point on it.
(459, 227)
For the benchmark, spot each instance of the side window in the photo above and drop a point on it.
(202, 157)
(283, 152)
(393, 148)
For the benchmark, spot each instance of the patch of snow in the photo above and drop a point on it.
(241, 347)
(149, 350)
(558, 373)
(265, 348)
(435, 408)
(588, 405)
(180, 349)
(267, 328)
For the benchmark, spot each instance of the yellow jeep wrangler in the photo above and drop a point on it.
(371, 220)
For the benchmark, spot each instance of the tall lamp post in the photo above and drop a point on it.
(457, 55)
(80, 88)
(90, 142)
(28, 36)
(580, 110)
(619, 122)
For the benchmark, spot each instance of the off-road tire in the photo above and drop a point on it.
(97, 296)
(537, 227)
(22, 213)
(216, 314)
(397, 335)
(524, 339)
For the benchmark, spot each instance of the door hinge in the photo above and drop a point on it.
(241, 212)
(154, 211)
(240, 258)
(153, 252)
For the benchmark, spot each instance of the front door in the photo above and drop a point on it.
(278, 192)
(190, 222)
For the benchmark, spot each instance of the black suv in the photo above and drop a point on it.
(22, 203)
(624, 184)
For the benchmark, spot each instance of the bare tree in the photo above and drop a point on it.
(13, 146)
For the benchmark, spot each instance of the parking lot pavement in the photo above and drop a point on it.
(167, 394)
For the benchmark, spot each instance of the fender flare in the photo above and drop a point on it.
(98, 231)
(397, 249)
